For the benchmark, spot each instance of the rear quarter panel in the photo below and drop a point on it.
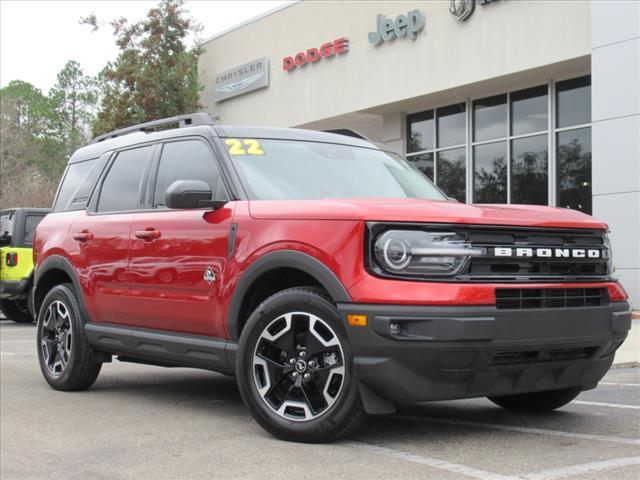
(22, 270)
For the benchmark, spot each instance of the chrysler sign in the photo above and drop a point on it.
(243, 79)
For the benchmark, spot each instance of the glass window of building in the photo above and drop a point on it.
(490, 118)
(509, 146)
(573, 144)
(424, 163)
(451, 172)
(529, 110)
(452, 125)
(421, 132)
(490, 173)
(573, 102)
(574, 169)
(444, 165)
(529, 167)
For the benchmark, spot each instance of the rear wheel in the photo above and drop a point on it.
(537, 401)
(295, 369)
(16, 310)
(66, 359)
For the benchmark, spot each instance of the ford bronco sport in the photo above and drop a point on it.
(331, 277)
(17, 226)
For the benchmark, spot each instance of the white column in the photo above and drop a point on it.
(615, 78)
(393, 131)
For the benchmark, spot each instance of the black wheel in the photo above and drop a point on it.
(65, 357)
(538, 401)
(295, 370)
(16, 310)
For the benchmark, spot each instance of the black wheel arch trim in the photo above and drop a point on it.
(56, 262)
(282, 259)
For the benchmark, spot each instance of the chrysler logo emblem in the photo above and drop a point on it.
(462, 9)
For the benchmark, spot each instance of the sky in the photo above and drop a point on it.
(38, 37)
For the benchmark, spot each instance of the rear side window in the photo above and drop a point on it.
(186, 160)
(6, 226)
(76, 173)
(121, 187)
(30, 224)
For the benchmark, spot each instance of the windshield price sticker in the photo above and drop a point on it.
(246, 146)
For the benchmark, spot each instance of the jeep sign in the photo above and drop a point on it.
(404, 26)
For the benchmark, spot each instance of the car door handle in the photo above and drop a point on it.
(148, 235)
(83, 236)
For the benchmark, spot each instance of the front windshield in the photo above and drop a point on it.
(299, 170)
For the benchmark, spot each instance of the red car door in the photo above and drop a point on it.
(100, 239)
(178, 257)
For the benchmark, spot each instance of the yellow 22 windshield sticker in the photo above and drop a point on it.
(247, 146)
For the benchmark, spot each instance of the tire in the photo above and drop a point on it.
(65, 357)
(538, 402)
(16, 310)
(302, 397)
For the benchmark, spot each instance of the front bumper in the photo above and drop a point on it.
(15, 289)
(410, 354)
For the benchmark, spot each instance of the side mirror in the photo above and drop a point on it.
(191, 194)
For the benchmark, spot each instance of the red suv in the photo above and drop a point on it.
(331, 277)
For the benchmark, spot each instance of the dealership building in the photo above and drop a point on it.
(499, 101)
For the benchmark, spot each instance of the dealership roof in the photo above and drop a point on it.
(251, 20)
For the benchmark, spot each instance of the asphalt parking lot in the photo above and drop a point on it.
(141, 422)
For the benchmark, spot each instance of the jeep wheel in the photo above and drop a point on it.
(538, 401)
(16, 311)
(65, 357)
(295, 369)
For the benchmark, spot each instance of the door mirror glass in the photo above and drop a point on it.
(191, 194)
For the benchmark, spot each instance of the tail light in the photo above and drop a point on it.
(12, 259)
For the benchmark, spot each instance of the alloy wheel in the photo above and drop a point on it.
(298, 366)
(56, 337)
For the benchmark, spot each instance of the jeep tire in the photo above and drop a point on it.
(16, 311)
(295, 368)
(537, 402)
(65, 357)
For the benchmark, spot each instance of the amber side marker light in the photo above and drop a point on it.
(357, 320)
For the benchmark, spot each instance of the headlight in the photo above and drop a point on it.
(423, 254)
(609, 254)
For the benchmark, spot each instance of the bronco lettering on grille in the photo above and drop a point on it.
(549, 252)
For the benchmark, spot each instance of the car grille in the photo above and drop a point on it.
(524, 298)
(542, 356)
(535, 269)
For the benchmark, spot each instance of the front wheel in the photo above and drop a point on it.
(538, 402)
(295, 371)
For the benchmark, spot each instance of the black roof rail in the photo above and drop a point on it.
(188, 120)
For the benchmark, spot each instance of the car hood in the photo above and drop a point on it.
(419, 210)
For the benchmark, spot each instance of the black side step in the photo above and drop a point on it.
(164, 348)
